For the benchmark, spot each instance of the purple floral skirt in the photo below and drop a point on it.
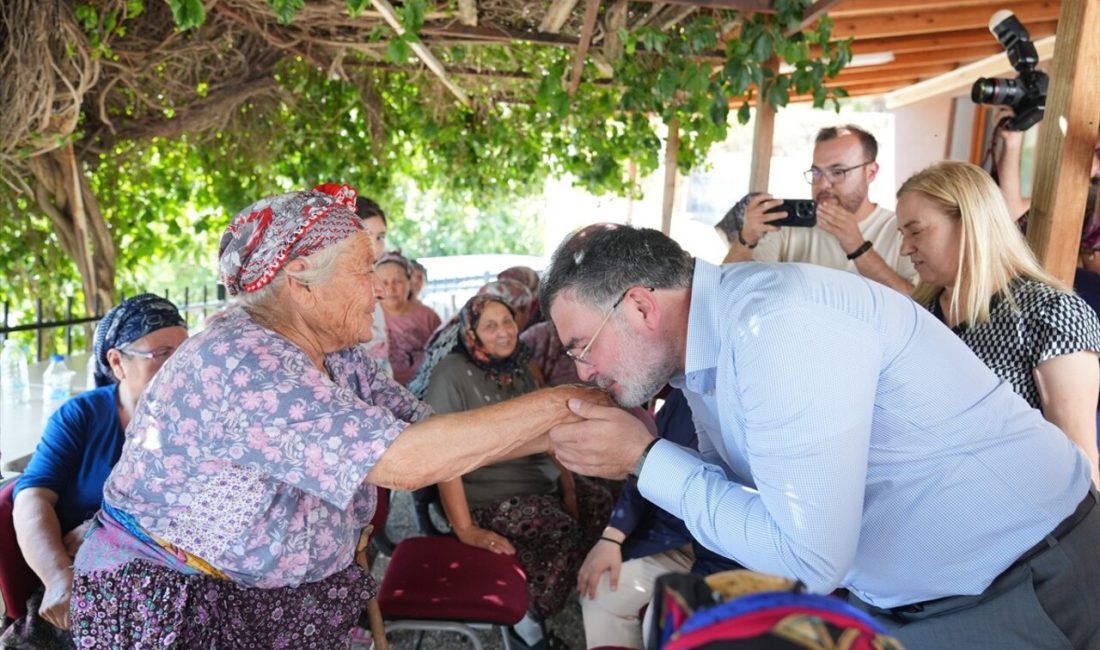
(143, 605)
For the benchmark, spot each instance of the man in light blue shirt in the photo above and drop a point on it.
(847, 439)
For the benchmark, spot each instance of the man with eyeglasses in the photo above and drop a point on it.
(852, 233)
(846, 439)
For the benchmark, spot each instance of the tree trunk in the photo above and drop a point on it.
(62, 192)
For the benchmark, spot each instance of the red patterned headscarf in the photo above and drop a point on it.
(266, 235)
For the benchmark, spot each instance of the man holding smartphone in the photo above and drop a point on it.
(852, 233)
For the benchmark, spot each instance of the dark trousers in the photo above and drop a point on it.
(1049, 600)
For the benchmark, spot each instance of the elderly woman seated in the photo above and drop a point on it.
(526, 506)
(232, 517)
(63, 485)
(409, 324)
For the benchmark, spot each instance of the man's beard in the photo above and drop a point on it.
(850, 202)
(649, 370)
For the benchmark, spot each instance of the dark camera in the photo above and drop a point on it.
(800, 213)
(1027, 93)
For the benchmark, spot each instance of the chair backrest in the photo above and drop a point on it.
(17, 581)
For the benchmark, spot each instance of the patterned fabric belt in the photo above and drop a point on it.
(176, 555)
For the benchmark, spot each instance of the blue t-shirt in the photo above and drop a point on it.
(81, 443)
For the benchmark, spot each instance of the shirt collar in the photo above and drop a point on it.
(702, 349)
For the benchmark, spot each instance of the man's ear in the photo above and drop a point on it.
(644, 301)
(872, 171)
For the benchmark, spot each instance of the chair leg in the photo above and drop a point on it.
(504, 635)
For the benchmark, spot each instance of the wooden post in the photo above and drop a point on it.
(672, 150)
(632, 168)
(763, 134)
(1066, 137)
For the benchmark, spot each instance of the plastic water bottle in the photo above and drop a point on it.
(56, 384)
(89, 372)
(15, 384)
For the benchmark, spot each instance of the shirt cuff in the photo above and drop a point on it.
(667, 464)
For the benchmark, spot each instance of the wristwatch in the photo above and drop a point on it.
(637, 471)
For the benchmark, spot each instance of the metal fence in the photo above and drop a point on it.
(61, 334)
(446, 296)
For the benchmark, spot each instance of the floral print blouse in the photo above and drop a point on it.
(243, 453)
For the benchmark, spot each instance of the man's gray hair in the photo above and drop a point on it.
(598, 263)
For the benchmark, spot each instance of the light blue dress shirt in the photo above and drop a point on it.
(848, 438)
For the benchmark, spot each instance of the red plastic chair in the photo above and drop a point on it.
(441, 584)
(17, 581)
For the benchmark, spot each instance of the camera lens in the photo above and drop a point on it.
(1006, 92)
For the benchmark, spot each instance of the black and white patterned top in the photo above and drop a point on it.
(1050, 323)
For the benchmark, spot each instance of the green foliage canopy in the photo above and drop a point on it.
(454, 179)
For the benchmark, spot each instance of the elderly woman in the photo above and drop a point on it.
(409, 324)
(232, 516)
(525, 506)
(979, 277)
(63, 484)
(445, 338)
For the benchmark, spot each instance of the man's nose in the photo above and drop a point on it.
(584, 371)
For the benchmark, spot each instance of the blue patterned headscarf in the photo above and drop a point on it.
(127, 322)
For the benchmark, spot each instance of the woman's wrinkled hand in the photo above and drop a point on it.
(486, 539)
(75, 537)
(55, 601)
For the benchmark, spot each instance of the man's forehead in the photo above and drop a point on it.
(568, 308)
(844, 149)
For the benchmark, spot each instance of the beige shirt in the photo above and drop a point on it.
(816, 246)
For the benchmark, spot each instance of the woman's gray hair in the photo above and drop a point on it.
(319, 268)
(598, 263)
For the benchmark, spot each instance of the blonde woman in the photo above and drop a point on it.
(979, 277)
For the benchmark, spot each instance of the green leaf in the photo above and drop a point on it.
(412, 15)
(356, 7)
(285, 9)
(762, 47)
(743, 114)
(188, 14)
(397, 50)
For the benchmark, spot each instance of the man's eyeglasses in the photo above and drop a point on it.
(579, 357)
(160, 354)
(833, 174)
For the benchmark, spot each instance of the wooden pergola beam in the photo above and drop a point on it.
(591, 12)
(750, 6)
(902, 73)
(854, 8)
(495, 34)
(944, 41)
(930, 22)
(556, 16)
(421, 51)
(1066, 137)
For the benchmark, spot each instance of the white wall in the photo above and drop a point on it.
(923, 134)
